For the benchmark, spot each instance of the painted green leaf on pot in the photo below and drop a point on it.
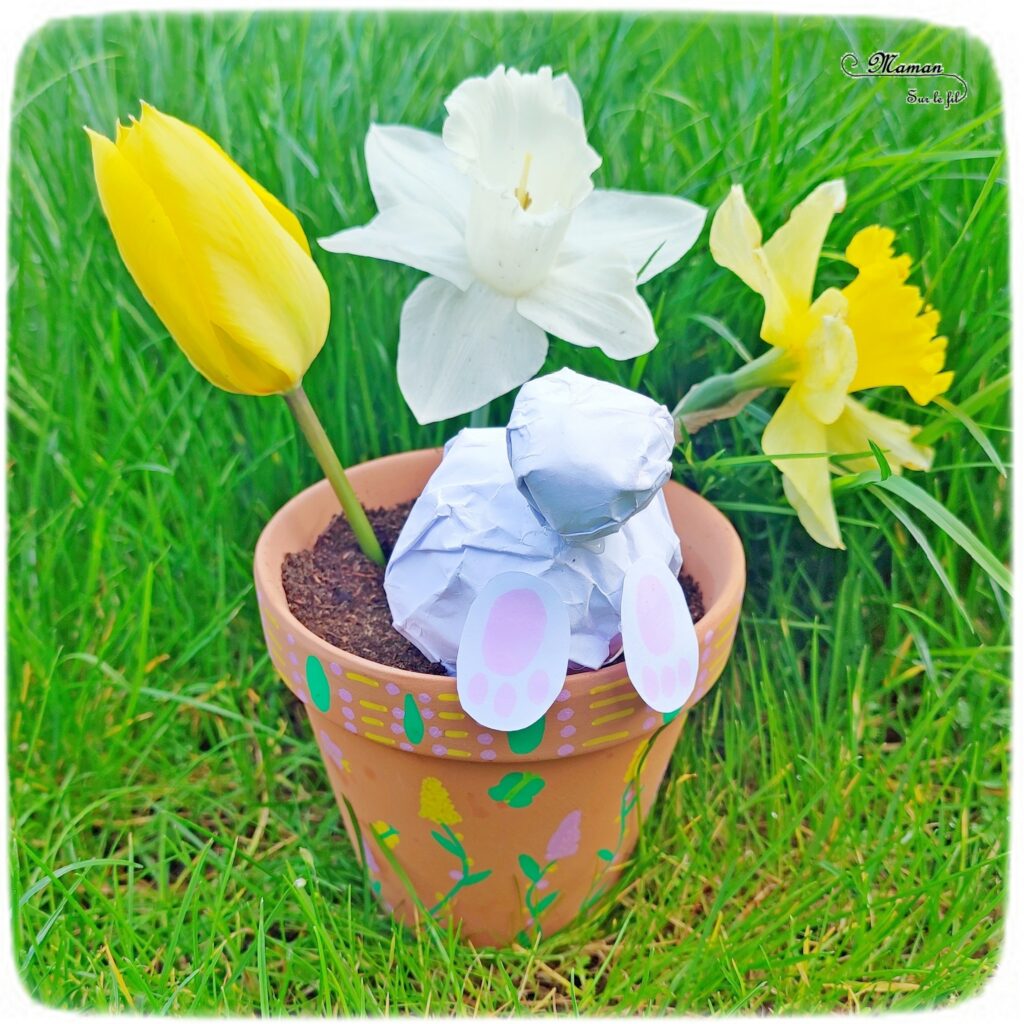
(522, 741)
(316, 679)
(517, 789)
(412, 720)
(670, 716)
(543, 904)
(530, 867)
(606, 855)
(447, 843)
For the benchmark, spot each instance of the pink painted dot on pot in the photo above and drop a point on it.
(435, 731)
(424, 698)
(427, 713)
(398, 713)
(565, 749)
(488, 755)
(293, 657)
(391, 689)
(351, 727)
(335, 668)
(345, 696)
(291, 638)
(485, 738)
(563, 696)
(348, 713)
(439, 749)
(650, 721)
(404, 746)
(397, 729)
(565, 714)
(567, 731)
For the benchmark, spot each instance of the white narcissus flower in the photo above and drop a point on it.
(501, 211)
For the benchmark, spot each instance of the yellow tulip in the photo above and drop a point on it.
(227, 269)
(876, 331)
(224, 265)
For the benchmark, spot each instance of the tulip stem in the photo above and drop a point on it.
(354, 512)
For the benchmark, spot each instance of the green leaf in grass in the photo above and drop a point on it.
(953, 527)
(974, 430)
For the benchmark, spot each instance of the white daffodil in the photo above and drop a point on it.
(501, 211)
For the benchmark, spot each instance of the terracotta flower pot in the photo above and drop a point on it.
(508, 833)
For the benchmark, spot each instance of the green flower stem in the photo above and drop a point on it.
(726, 393)
(461, 883)
(354, 512)
(531, 892)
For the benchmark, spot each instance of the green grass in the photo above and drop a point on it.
(832, 833)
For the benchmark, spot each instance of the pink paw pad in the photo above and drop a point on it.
(658, 637)
(513, 652)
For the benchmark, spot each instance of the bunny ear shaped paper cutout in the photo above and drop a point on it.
(658, 636)
(513, 652)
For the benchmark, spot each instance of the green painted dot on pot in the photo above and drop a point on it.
(412, 719)
(522, 741)
(319, 688)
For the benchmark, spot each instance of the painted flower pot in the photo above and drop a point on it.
(507, 833)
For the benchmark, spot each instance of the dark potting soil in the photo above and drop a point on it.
(335, 591)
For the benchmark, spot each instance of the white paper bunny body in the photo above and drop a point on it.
(514, 560)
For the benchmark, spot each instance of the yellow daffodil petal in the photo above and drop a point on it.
(736, 245)
(260, 287)
(858, 425)
(794, 431)
(894, 328)
(794, 250)
(828, 363)
(141, 229)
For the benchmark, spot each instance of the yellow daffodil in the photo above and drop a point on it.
(877, 331)
(224, 265)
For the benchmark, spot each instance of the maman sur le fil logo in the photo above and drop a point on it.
(887, 64)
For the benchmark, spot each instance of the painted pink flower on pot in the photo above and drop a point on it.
(564, 843)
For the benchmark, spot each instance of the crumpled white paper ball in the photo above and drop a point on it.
(472, 523)
(587, 454)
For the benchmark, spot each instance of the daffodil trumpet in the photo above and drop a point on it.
(877, 331)
(227, 269)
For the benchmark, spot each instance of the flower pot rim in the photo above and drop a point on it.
(268, 575)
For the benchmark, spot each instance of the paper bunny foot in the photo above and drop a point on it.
(513, 652)
(658, 637)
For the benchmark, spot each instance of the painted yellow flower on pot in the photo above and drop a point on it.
(435, 803)
(224, 265)
(877, 331)
(385, 834)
